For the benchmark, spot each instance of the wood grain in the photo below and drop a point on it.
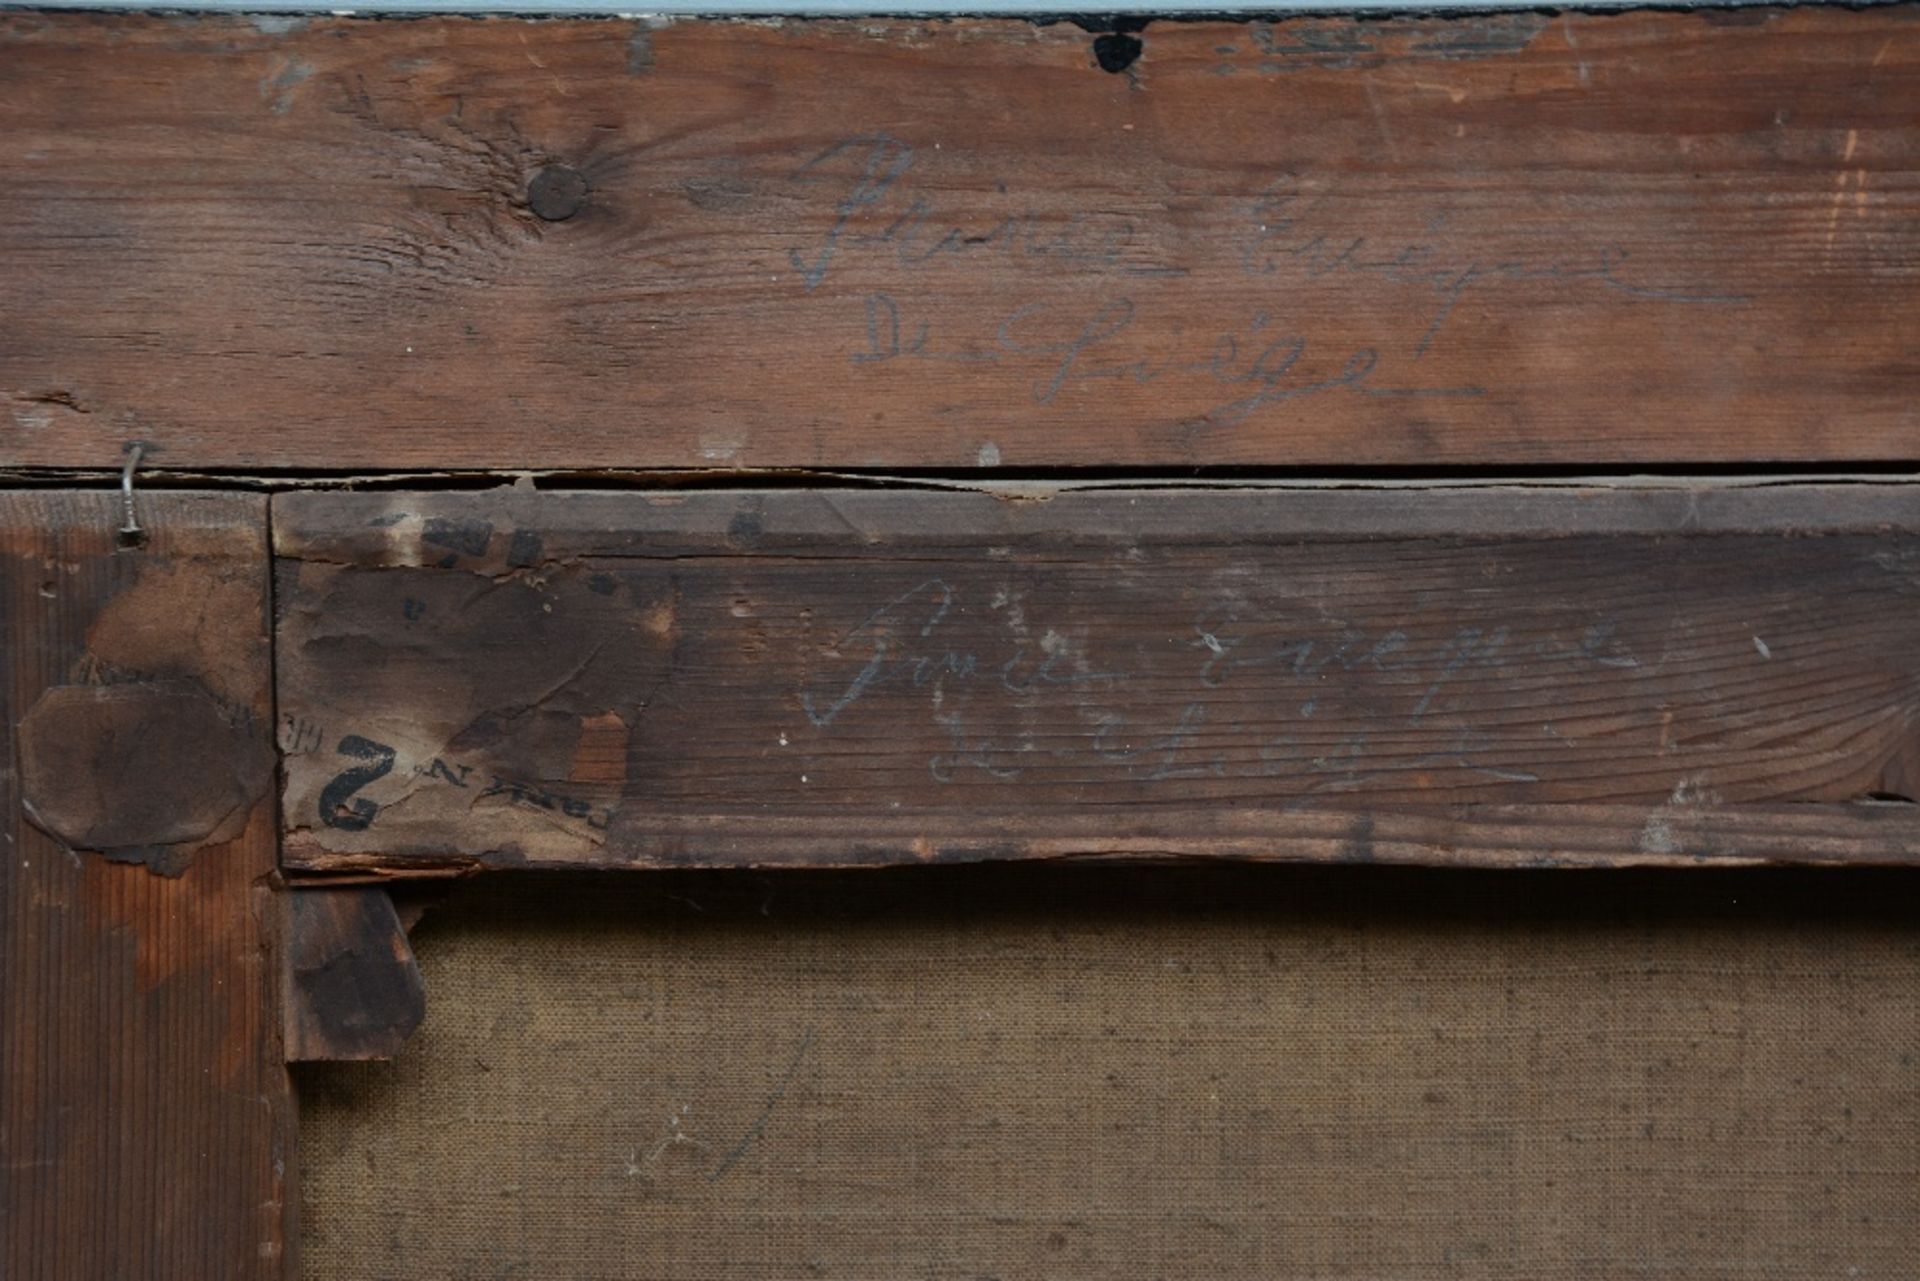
(146, 1122)
(820, 677)
(454, 243)
(353, 990)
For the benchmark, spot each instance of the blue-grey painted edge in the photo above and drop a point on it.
(869, 8)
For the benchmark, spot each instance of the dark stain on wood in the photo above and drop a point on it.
(146, 1121)
(885, 244)
(144, 772)
(1659, 676)
(353, 990)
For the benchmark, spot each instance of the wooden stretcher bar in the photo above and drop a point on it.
(146, 1119)
(460, 244)
(782, 677)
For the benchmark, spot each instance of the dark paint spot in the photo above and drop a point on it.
(468, 537)
(1116, 51)
(523, 550)
(745, 528)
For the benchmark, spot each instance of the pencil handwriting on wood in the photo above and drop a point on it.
(907, 645)
(869, 676)
(882, 244)
(1292, 237)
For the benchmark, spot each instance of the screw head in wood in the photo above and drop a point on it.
(557, 193)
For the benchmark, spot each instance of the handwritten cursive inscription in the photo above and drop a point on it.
(1261, 365)
(871, 169)
(1266, 351)
(1113, 716)
(1284, 238)
(895, 639)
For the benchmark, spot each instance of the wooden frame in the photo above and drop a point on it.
(1786, 735)
(902, 397)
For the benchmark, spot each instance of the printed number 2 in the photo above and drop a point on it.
(336, 810)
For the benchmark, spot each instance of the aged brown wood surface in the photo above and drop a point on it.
(146, 1123)
(791, 676)
(353, 990)
(457, 243)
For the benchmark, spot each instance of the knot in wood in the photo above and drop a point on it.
(557, 193)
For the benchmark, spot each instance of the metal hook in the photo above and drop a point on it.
(131, 535)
